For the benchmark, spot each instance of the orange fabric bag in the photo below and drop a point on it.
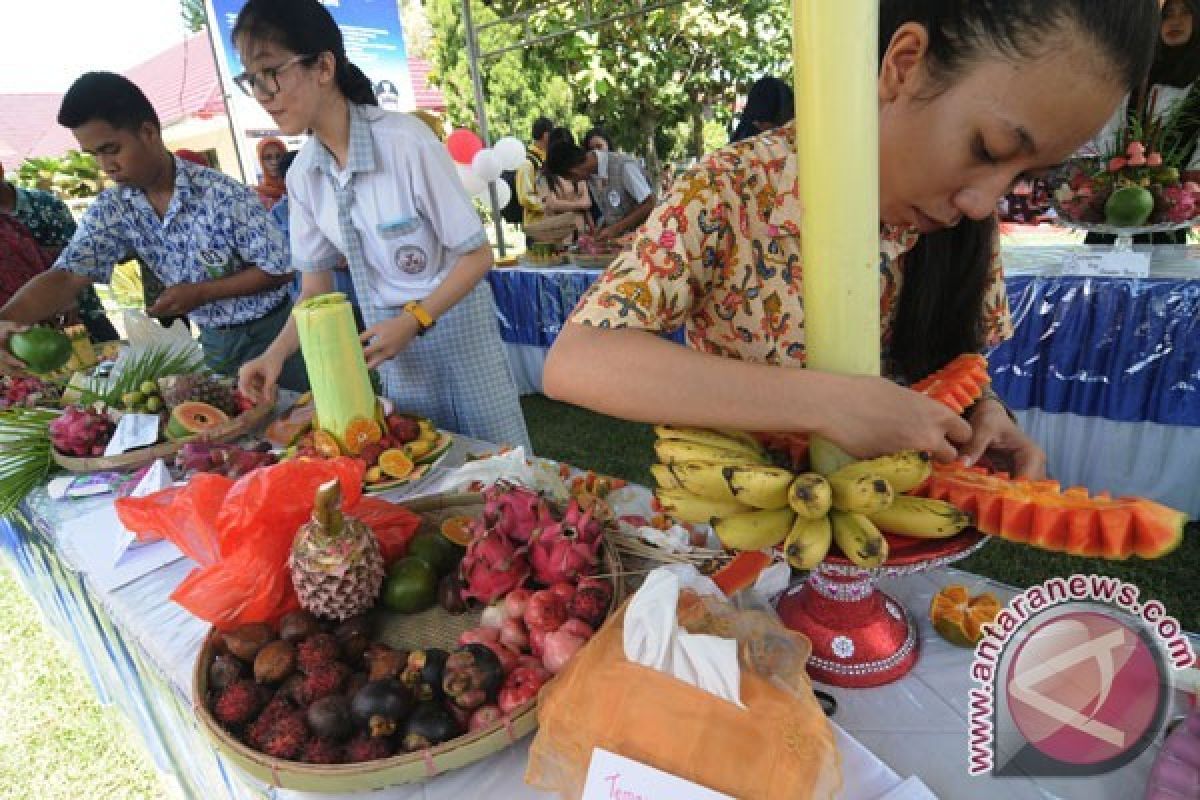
(779, 746)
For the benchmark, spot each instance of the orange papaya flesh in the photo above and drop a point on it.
(1070, 520)
(741, 572)
(958, 384)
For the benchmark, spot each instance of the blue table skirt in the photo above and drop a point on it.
(1123, 349)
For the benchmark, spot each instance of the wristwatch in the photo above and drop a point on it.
(425, 320)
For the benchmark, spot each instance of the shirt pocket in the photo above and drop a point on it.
(410, 246)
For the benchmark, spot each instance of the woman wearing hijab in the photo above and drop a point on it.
(270, 158)
(769, 104)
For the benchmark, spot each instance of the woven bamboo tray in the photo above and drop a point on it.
(236, 428)
(432, 628)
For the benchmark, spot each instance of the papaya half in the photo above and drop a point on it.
(958, 384)
(1042, 514)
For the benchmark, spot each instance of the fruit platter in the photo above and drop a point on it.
(591, 254)
(394, 673)
(545, 254)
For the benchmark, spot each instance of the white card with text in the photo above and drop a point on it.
(614, 777)
(134, 430)
(1111, 264)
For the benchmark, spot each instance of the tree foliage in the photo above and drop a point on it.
(657, 81)
(194, 17)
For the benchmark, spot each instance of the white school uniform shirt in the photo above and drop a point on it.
(412, 214)
(1166, 97)
(635, 181)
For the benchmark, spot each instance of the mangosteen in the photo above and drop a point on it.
(292, 688)
(429, 725)
(381, 706)
(353, 627)
(275, 662)
(472, 676)
(330, 718)
(384, 662)
(246, 641)
(423, 673)
(356, 682)
(298, 625)
(450, 594)
(224, 670)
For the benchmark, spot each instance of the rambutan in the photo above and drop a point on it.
(279, 707)
(317, 650)
(287, 737)
(240, 701)
(322, 751)
(368, 748)
(321, 680)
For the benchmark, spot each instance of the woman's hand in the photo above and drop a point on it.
(389, 338)
(994, 434)
(872, 417)
(10, 364)
(258, 379)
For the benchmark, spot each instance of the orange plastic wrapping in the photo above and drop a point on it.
(779, 746)
(240, 533)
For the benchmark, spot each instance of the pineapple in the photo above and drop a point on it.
(200, 388)
(336, 565)
(333, 357)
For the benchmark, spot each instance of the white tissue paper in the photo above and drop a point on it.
(157, 478)
(654, 639)
(512, 467)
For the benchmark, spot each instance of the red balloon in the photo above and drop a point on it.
(463, 145)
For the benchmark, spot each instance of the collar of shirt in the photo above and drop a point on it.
(22, 205)
(537, 150)
(180, 196)
(360, 154)
(602, 164)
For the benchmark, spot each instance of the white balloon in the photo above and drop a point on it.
(486, 165)
(503, 195)
(470, 181)
(511, 152)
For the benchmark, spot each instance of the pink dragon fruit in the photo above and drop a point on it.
(560, 553)
(586, 524)
(515, 512)
(493, 567)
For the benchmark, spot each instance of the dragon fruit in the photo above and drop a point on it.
(560, 553)
(515, 512)
(586, 524)
(493, 567)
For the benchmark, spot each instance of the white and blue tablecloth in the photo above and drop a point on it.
(1103, 371)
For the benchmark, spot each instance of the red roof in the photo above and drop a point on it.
(180, 82)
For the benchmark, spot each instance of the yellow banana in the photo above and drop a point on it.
(810, 495)
(862, 494)
(752, 485)
(754, 530)
(808, 542)
(673, 451)
(684, 505)
(904, 471)
(726, 440)
(921, 517)
(664, 477)
(859, 539)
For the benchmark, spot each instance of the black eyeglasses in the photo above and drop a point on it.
(266, 80)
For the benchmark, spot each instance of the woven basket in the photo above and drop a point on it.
(432, 628)
(236, 428)
(553, 228)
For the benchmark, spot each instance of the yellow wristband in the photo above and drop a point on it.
(424, 319)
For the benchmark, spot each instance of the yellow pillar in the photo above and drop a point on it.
(837, 135)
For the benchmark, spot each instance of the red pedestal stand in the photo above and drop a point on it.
(860, 636)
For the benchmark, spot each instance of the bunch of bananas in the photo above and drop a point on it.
(726, 479)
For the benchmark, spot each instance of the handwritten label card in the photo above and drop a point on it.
(614, 777)
(1112, 263)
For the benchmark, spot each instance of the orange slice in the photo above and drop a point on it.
(326, 444)
(458, 530)
(361, 431)
(959, 618)
(395, 463)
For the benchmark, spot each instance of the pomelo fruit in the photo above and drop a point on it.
(1129, 207)
(42, 349)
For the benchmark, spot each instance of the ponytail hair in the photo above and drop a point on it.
(304, 27)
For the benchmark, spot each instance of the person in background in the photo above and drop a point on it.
(51, 225)
(528, 195)
(972, 94)
(564, 196)
(769, 104)
(206, 236)
(597, 139)
(271, 152)
(378, 189)
(616, 180)
(21, 260)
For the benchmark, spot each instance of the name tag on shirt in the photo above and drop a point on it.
(398, 227)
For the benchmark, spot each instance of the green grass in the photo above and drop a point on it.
(623, 449)
(58, 743)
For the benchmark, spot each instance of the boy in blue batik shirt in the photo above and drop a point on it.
(204, 235)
